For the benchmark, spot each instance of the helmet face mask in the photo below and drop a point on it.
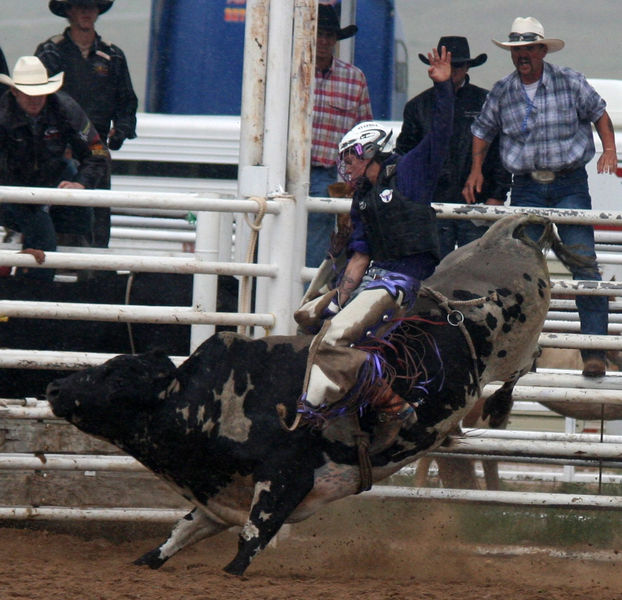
(352, 164)
(361, 143)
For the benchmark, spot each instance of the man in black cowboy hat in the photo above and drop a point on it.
(97, 77)
(341, 101)
(468, 102)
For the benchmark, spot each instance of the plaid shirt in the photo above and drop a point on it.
(552, 132)
(341, 101)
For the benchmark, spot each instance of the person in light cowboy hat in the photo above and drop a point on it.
(38, 122)
(418, 114)
(340, 101)
(544, 114)
(97, 77)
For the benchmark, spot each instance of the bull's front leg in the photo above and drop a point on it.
(193, 527)
(274, 499)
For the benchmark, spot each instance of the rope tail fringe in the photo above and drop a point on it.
(399, 362)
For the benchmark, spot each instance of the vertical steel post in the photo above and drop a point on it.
(300, 131)
(276, 121)
(251, 129)
(205, 287)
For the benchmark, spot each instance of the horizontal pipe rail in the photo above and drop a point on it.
(135, 222)
(543, 436)
(27, 412)
(68, 462)
(569, 287)
(538, 460)
(124, 313)
(158, 235)
(561, 316)
(169, 515)
(152, 264)
(575, 327)
(151, 200)
(586, 501)
(56, 513)
(486, 212)
(567, 378)
(569, 340)
(566, 395)
(532, 448)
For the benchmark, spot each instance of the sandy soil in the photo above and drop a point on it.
(320, 559)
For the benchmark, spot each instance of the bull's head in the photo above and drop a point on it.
(121, 386)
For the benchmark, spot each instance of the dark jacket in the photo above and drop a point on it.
(468, 103)
(101, 84)
(32, 151)
(3, 69)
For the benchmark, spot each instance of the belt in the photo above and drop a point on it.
(547, 175)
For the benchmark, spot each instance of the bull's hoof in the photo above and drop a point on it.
(151, 559)
(235, 568)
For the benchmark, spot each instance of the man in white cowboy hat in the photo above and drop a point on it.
(341, 101)
(37, 124)
(469, 98)
(97, 77)
(544, 114)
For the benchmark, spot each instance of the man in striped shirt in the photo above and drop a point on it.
(341, 101)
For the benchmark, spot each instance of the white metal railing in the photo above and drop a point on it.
(542, 385)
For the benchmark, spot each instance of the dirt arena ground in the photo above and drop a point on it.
(343, 556)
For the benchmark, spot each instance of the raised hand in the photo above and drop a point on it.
(440, 65)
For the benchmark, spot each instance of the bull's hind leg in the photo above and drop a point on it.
(275, 498)
(195, 526)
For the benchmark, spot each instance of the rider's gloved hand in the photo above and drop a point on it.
(332, 309)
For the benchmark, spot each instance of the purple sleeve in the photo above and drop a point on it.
(418, 170)
(358, 243)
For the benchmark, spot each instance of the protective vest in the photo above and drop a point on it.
(395, 226)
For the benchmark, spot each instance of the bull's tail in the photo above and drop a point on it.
(550, 240)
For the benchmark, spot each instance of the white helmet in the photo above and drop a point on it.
(365, 139)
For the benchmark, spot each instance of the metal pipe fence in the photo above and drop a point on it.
(545, 385)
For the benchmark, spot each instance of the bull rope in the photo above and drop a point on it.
(456, 319)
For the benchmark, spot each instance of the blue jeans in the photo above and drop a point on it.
(569, 191)
(454, 233)
(319, 225)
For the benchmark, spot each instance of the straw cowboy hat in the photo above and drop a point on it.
(30, 77)
(527, 30)
(328, 20)
(59, 7)
(460, 52)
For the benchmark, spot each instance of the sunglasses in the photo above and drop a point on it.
(524, 37)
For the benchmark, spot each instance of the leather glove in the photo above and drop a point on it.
(332, 309)
(115, 141)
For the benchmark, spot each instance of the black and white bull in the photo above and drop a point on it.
(210, 428)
